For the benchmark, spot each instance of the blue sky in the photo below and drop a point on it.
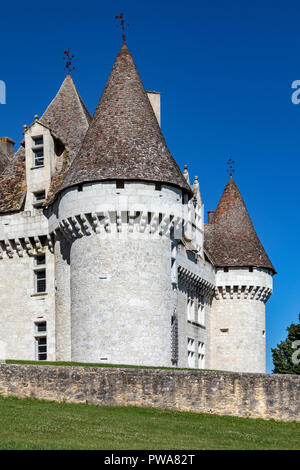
(225, 71)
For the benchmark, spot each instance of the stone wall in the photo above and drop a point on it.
(225, 393)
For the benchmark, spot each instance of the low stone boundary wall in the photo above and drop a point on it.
(225, 393)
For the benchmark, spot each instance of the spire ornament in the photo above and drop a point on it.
(122, 24)
(68, 60)
(231, 169)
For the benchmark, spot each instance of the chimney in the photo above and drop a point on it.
(7, 145)
(210, 216)
(154, 98)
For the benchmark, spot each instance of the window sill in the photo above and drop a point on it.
(38, 166)
(39, 294)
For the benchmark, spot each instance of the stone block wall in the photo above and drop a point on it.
(225, 393)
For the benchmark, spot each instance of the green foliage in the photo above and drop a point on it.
(284, 355)
(36, 424)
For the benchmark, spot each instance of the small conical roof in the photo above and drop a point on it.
(124, 140)
(67, 116)
(231, 239)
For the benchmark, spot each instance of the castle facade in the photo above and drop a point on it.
(104, 254)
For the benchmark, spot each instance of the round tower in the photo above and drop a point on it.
(244, 283)
(118, 207)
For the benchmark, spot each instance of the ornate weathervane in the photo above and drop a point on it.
(68, 60)
(122, 24)
(230, 164)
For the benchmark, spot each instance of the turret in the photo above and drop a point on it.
(119, 208)
(244, 279)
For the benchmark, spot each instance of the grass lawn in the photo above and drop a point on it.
(35, 424)
(90, 364)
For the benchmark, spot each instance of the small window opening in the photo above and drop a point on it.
(157, 187)
(225, 270)
(80, 187)
(37, 141)
(41, 327)
(40, 260)
(39, 198)
(119, 184)
(250, 269)
(224, 331)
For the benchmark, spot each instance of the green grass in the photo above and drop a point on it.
(34, 424)
(91, 364)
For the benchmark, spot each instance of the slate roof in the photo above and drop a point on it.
(231, 240)
(124, 140)
(13, 183)
(68, 119)
(4, 160)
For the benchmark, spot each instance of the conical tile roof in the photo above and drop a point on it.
(68, 117)
(231, 240)
(124, 140)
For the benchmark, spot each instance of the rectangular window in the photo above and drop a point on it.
(201, 355)
(201, 311)
(191, 352)
(40, 281)
(190, 306)
(41, 348)
(38, 157)
(40, 274)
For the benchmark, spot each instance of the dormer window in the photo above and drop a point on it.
(38, 151)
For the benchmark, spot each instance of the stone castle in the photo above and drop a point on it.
(104, 254)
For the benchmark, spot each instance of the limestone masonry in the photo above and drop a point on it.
(104, 254)
(225, 393)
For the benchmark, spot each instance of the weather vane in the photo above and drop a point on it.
(230, 164)
(68, 60)
(122, 24)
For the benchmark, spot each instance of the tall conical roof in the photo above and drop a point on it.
(124, 140)
(231, 240)
(68, 117)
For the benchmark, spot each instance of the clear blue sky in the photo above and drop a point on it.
(224, 70)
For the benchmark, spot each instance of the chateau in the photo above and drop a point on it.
(104, 254)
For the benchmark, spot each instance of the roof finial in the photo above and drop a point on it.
(68, 58)
(122, 24)
(230, 164)
(186, 174)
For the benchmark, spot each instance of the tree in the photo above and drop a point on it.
(286, 357)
